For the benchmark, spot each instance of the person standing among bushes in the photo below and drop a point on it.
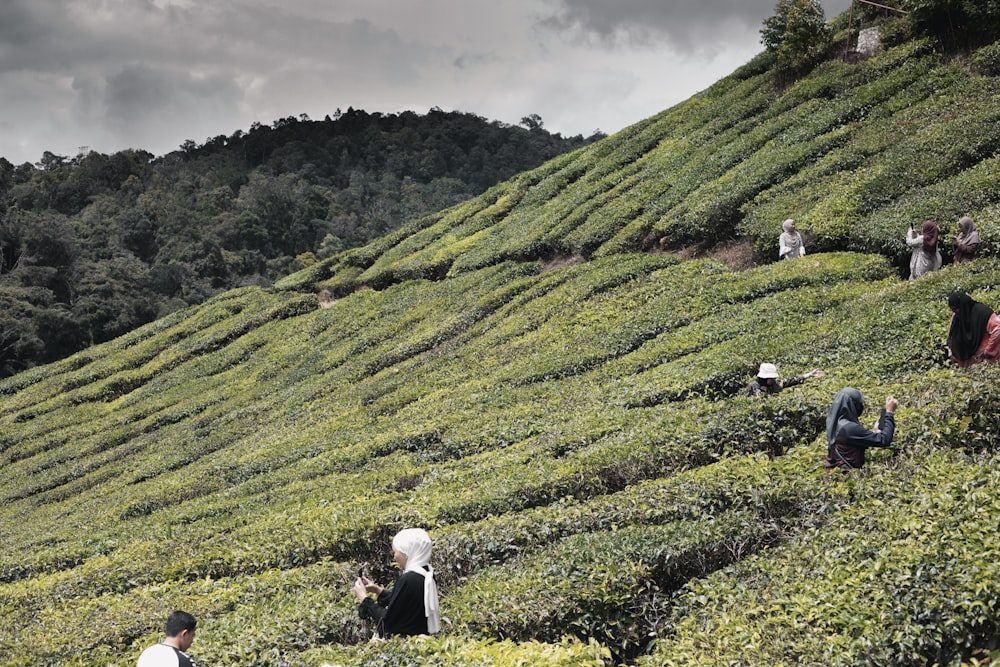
(974, 333)
(180, 629)
(925, 256)
(768, 382)
(967, 242)
(847, 440)
(790, 243)
(410, 607)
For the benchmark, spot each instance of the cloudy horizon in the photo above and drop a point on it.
(151, 74)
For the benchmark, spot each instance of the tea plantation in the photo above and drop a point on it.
(541, 383)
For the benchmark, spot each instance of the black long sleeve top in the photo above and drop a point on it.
(848, 450)
(398, 610)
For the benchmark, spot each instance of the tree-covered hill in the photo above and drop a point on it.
(95, 245)
(536, 379)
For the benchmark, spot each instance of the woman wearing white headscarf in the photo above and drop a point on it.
(790, 243)
(847, 440)
(410, 607)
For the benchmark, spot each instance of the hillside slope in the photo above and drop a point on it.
(96, 245)
(570, 432)
(853, 152)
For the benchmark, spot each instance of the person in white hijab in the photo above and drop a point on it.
(410, 607)
(790, 244)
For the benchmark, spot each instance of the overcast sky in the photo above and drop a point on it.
(150, 74)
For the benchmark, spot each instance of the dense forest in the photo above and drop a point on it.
(96, 245)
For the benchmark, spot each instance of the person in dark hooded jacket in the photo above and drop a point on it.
(847, 440)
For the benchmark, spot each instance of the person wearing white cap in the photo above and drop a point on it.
(410, 607)
(768, 382)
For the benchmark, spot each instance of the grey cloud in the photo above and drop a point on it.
(24, 21)
(262, 36)
(152, 73)
(683, 23)
(33, 33)
(135, 92)
(89, 100)
(689, 25)
(142, 100)
(133, 71)
(473, 61)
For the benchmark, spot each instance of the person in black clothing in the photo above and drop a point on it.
(410, 607)
(974, 332)
(846, 438)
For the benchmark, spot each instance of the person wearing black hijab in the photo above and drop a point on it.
(974, 334)
(846, 438)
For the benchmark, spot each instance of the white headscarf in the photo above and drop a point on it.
(416, 544)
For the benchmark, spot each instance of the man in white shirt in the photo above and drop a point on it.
(170, 652)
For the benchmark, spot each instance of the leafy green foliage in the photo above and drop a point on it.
(923, 593)
(558, 406)
(853, 152)
(117, 241)
(797, 33)
(238, 459)
(955, 22)
(987, 60)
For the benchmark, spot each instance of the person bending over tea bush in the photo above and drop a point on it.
(974, 334)
(767, 381)
(846, 438)
(410, 607)
(170, 652)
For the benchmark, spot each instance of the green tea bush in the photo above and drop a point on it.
(574, 455)
(608, 586)
(560, 411)
(986, 60)
(838, 602)
(461, 651)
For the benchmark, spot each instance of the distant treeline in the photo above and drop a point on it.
(96, 245)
